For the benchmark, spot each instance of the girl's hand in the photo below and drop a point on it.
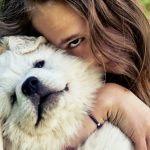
(122, 108)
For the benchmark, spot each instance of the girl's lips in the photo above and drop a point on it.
(110, 64)
(69, 148)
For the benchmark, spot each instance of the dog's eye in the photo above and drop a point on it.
(39, 64)
(13, 99)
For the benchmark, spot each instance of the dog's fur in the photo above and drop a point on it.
(51, 116)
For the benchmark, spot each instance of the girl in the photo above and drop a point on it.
(113, 34)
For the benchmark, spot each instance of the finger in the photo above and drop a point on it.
(141, 145)
(148, 142)
(70, 148)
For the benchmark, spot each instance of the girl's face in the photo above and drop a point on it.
(63, 27)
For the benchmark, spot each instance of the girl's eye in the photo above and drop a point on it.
(75, 43)
(39, 64)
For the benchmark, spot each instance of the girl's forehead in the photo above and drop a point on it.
(57, 21)
(48, 5)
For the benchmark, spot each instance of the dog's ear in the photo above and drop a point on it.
(2, 46)
(2, 49)
(21, 44)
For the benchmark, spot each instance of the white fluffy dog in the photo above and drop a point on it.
(44, 96)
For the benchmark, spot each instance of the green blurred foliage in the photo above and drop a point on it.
(146, 4)
(1, 4)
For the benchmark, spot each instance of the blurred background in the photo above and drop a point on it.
(145, 4)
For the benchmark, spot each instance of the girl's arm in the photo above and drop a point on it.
(122, 108)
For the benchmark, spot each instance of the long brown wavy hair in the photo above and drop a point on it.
(118, 30)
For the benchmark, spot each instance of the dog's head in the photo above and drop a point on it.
(43, 90)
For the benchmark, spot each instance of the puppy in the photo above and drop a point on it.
(44, 96)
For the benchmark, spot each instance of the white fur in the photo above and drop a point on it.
(62, 121)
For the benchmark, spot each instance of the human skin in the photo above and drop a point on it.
(63, 27)
(66, 30)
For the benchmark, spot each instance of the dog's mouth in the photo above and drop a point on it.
(43, 98)
(47, 100)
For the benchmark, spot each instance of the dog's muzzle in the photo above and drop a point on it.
(40, 95)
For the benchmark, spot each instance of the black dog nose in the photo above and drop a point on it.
(30, 86)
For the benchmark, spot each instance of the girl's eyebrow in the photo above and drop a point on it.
(65, 40)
